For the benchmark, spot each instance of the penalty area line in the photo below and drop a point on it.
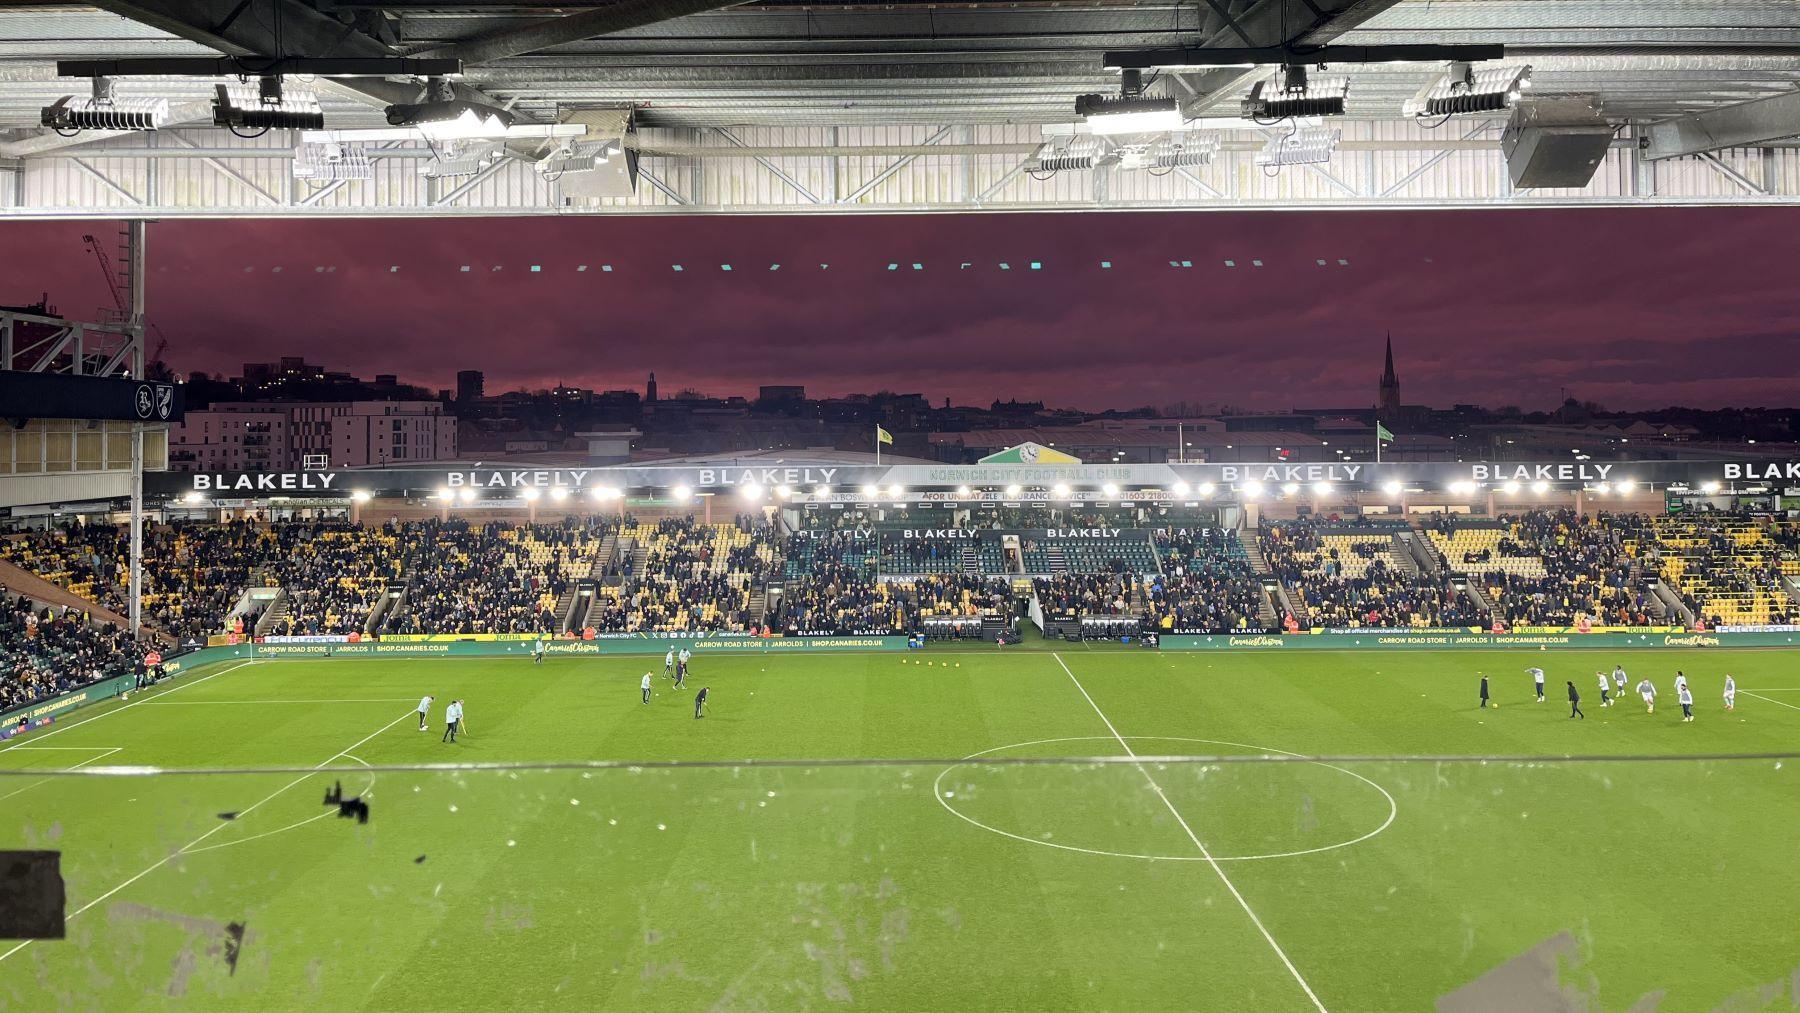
(184, 849)
(1205, 854)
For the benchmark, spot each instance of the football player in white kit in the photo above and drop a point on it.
(1730, 692)
(1647, 690)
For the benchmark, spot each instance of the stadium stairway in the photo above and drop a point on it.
(1275, 601)
(581, 598)
(1415, 545)
(758, 606)
(1477, 595)
(971, 559)
(387, 607)
(274, 615)
(603, 560)
(1056, 559)
(565, 605)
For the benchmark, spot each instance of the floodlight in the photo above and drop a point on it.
(1251, 489)
(1205, 489)
(267, 105)
(1292, 91)
(784, 492)
(531, 494)
(822, 491)
(360, 496)
(682, 493)
(1625, 485)
(962, 492)
(462, 158)
(1013, 490)
(1176, 150)
(1462, 487)
(195, 497)
(466, 494)
(1301, 146)
(751, 491)
(1540, 487)
(1464, 89)
(102, 110)
(1391, 487)
(870, 490)
(1110, 489)
(1290, 488)
(330, 161)
(896, 491)
(1060, 490)
(1134, 114)
(558, 493)
(1510, 488)
(1180, 488)
(1603, 488)
(1321, 488)
(446, 494)
(1709, 487)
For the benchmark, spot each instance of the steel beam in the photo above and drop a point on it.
(533, 36)
(772, 167)
(1744, 125)
(893, 167)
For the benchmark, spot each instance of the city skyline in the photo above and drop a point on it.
(1484, 308)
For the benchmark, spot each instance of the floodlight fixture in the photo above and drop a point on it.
(558, 493)
(466, 494)
(1510, 488)
(1179, 488)
(1013, 490)
(751, 491)
(896, 491)
(1709, 487)
(1301, 146)
(962, 492)
(1464, 90)
(1290, 488)
(1128, 114)
(360, 496)
(269, 104)
(462, 158)
(531, 494)
(1204, 489)
(784, 492)
(682, 493)
(1293, 91)
(1177, 150)
(1251, 489)
(1321, 488)
(195, 497)
(330, 161)
(447, 119)
(1625, 485)
(821, 492)
(870, 490)
(104, 110)
(1110, 489)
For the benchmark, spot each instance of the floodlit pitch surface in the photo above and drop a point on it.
(1377, 884)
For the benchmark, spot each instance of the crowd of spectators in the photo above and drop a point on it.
(44, 651)
(700, 577)
(1066, 595)
(959, 594)
(840, 599)
(1587, 571)
(1381, 595)
(497, 577)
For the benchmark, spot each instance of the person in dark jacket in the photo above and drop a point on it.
(1575, 703)
(1484, 692)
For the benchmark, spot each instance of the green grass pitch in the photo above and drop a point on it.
(1369, 884)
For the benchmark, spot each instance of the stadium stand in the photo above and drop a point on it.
(1726, 567)
(492, 578)
(44, 653)
(692, 576)
(840, 598)
(1354, 581)
(1207, 585)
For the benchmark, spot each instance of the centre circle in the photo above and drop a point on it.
(1242, 811)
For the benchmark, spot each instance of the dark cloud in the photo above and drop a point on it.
(1630, 307)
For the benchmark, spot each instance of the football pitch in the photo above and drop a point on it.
(941, 831)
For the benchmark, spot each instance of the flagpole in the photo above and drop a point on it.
(878, 445)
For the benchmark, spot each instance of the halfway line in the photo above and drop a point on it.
(1205, 854)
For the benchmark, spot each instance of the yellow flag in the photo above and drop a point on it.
(883, 436)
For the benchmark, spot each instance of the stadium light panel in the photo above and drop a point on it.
(1109, 114)
(531, 494)
(1293, 91)
(1540, 487)
(558, 493)
(682, 493)
(1390, 487)
(896, 491)
(195, 497)
(1110, 489)
(1179, 488)
(1301, 146)
(326, 161)
(1251, 489)
(1603, 488)
(822, 491)
(1290, 488)
(1060, 490)
(962, 492)
(462, 158)
(360, 496)
(445, 494)
(784, 492)
(1510, 488)
(1463, 89)
(1013, 490)
(871, 490)
(1205, 490)
(1321, 488)
(1709, 487)
(751, 491)
(1625, 485)
(466, 494)
(270, 104)
(103, 110)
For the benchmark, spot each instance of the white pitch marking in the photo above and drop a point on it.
(134, 703)
(1765, 699)
(368, 792)
(222, 825)
(1218, 869)
(104, 751)
(974, 759)
(220, 703)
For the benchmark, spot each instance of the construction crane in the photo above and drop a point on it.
(120, 312)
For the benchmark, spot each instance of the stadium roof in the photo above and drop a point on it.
(906, 105)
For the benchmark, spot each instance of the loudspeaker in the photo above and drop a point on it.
(1556, 142)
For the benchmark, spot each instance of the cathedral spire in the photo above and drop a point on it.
(1389, 400)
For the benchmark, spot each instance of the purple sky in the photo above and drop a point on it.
(1631, 308)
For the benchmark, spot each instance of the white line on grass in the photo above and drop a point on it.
(104, 751)
(222, 825)
(217, 703)
(135, 703)
(1777, 703)
(1204, 853)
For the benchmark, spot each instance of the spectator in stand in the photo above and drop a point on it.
(44, 653)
